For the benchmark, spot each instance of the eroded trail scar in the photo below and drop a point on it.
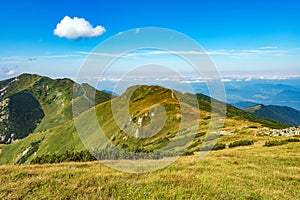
(172, 93)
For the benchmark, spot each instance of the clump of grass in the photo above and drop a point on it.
(241, 143)
(275, 143)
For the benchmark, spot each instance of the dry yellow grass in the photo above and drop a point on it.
(252, 172)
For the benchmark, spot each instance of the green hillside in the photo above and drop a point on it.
(32, 103)
(281, 114)
(143, 104)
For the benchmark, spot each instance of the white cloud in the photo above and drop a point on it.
(219, 52)
(74, 28)
(7, 72)
(269, 47)
(267, 51)
(99, 54)
(261, 51)
(11, 72)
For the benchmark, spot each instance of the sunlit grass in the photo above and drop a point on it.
(250, 172)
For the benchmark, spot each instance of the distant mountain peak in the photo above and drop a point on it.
(283, 114)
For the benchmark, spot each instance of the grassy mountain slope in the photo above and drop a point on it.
(56, 140)
(142, 105)
(251, 172)
(281, 114)
(48, 104)
(233, 112)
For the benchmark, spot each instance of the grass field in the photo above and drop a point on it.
(251, 172)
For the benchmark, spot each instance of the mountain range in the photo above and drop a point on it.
(36, 118)
(281, 114)
(264, 93)
(32, 103)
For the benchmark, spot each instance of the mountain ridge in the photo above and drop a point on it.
(283, 114)
(144, 101)
(53, 97)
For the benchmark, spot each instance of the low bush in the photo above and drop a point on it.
(200, 134)
(104, 154)
(206, 118)
(195, 144)
(217, 146)
(188, 153)
(293, 140)
(254, 127)
(275, 143)
(241, 143)
(81, 156)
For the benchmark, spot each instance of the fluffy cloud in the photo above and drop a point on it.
(7, 72)
(77, 28)
(11, 72)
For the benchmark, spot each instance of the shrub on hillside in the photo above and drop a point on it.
(275, 143)
(81, 156)
(254, 127)
(105, 154)
(293, 140)
(195, 144)
(217, 146)
(241, 143)
(188, 153)
(200, 134)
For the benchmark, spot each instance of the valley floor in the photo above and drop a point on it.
(252, 172)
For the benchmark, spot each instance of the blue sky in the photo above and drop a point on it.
(242, 37)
